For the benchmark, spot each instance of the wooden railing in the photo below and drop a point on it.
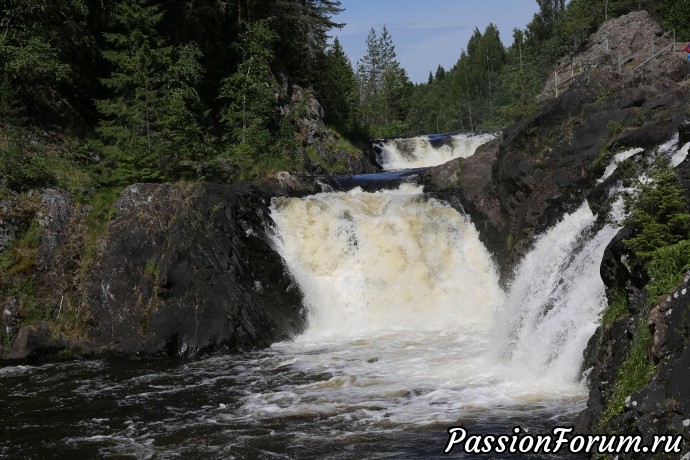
(564, 74)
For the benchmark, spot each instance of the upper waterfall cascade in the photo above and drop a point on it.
(426, 151)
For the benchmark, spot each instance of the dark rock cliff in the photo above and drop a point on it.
(182, 270)
(194, 272)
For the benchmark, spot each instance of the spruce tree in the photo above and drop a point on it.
(303, 27)
(339, 90)
(369, 71)
(384, 87)
(131, 117)
(150, 124)
(184, 143)
(251, 94)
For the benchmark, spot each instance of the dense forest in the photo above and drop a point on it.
(134, 90)
(107, 93)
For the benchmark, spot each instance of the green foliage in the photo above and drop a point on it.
(471, 94)
(615, 128)
(666, 268)
(100, 212)
(520, 80)
(659, 215)
(303, 27)
(147, 116)
(152, 270)
(604, 157)
(21, 167)
(17, 267)
(641, 116)
(338, 89)
(42, 47)
(675, 16)
(250, 92)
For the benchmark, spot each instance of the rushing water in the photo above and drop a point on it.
(409, 333)
(425, 151)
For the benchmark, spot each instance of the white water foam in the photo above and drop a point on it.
(418, 152)
(679, 156)
(385, 261)
(618, 159)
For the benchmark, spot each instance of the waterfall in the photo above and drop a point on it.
(408, 324)
(385, 261)
(426, 151)
(405, 309)
(555, 300)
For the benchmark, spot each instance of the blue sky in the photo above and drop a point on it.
(427, 33)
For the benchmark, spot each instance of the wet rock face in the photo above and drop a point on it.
(33, 342)
(663, 405)
(188, 269)
(684, 132)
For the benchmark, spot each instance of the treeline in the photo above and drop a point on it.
(145, 90)
(491, 85)
(161, 90)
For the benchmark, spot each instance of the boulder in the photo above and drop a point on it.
(34, 342)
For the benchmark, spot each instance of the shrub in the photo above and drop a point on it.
(659, 215)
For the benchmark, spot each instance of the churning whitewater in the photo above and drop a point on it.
(385, 261)
(426, 151)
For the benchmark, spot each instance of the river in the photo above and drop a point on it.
(409, 333)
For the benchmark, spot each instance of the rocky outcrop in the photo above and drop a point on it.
(323, 150)
(662, 405)
(188, 269)
(182, 270)
(543, 166)
(53, 216)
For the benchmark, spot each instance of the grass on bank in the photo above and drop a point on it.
(633, 375)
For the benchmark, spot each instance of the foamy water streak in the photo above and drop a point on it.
(418, 152)
(618, 159)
